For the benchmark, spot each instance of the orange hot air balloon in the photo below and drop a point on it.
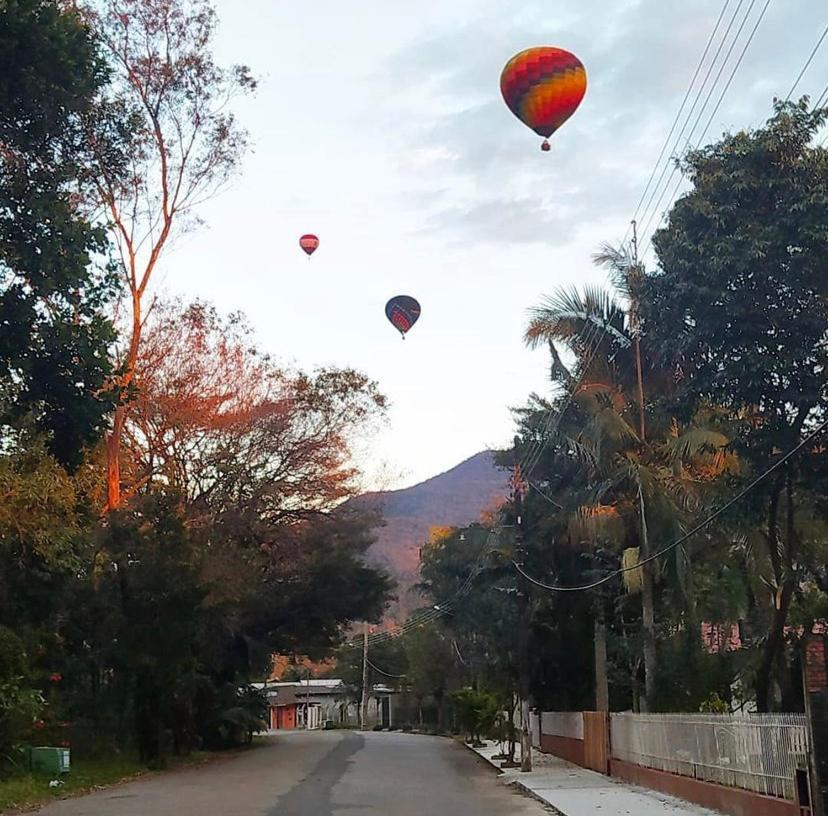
(309, 243)
(543, 87)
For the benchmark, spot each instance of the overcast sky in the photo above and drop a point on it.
(379, 126)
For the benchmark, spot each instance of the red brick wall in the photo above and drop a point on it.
(816, 675)
(727, 800)
(572, 750)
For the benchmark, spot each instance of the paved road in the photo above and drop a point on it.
(321, 773)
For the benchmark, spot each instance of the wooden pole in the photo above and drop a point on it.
(363, 709)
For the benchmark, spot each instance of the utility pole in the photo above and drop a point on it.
(307, 699)
(647, 602)
(523, 622)
(363, 709)
(634, 326)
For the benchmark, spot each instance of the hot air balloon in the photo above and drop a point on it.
(543, 87)
(403, 312)
(309, 243)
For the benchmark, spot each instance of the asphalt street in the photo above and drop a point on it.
(319, 773)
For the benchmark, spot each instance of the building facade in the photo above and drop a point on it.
(324, 703)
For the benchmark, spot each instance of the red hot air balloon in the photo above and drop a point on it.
(403, 312)
(543, 87)
(309, 243)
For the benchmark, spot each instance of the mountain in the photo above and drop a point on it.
(454, 498)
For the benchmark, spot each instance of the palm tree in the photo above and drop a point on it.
(636, 485)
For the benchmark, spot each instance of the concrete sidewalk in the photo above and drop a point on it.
(574, 791)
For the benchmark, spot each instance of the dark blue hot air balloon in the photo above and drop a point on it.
(403, 312)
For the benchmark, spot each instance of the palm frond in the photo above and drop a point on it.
(596, 522)
(693, 442)
(618, 262)
(610, 430)
(583, 453)
(599, 389)
(569, 314)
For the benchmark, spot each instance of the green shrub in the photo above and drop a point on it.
(477, 712)
(20, 704)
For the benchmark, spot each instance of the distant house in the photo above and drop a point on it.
(718, 638)
(313, 704)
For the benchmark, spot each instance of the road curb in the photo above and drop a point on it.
(515, 782)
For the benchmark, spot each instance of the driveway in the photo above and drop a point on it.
(319, 773)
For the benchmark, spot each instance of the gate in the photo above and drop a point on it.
(596, 741)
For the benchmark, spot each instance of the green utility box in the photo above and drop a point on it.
(48, 760)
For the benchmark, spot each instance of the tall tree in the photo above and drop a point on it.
(629, 486)
(185, 146)
(222, 423)
(738, 310)
(54, 335)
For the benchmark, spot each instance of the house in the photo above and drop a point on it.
(317, 703)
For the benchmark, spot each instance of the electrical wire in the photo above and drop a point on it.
(554, 416)
(807, 64)
(545, 495)
(657, 209)
(585, 337)
(698, 527)
(549, 431)
(693, 108)
(387, 674)
(710, 120)
(531, 457)
(736, 68)
(678, 115)
(529, 460)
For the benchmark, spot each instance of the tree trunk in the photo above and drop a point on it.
(647, 615)
(784, 596)
(601, 678)
(113, 459)
(524, 683)
(648, 619)
(113, 440)
(525, 736)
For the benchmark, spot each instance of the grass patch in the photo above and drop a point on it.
(21, 791)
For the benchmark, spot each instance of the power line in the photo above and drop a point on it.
(678, 542)
(656, 210)
(689, 117)
(553, 416)
(549, 430)
(387, 674)
(585, 337)
(713, 114)
(807, 63)
(737, 66)
(545, 495)
(678, 115)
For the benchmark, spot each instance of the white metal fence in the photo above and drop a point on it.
(563, 724)
(757, 752)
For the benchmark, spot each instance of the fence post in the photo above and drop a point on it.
(815, 676)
